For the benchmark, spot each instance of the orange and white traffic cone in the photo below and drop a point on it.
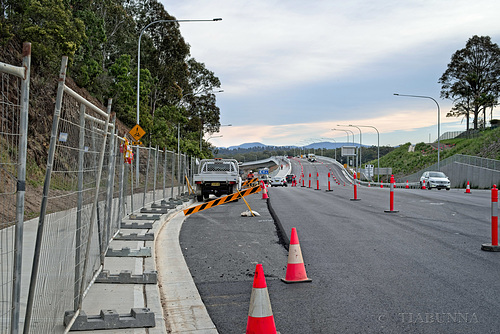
(407, 185)
(423, 185)
(295, 270)
(264, 191)
(260, 314)
(467, 190)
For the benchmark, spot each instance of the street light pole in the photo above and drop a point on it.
(360, 141)
(139, 53)
(378, 144)
(439, 118)
(139, 75)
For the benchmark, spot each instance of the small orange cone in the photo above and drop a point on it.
(407, 185)
(260, 315)
(467, 190)
(264, 191)
(423, 186)
(295, 270)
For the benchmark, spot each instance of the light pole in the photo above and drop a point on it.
(439, 118)
(201, 135)
(360, 141)
(352, 133)
(139, 53)
(139, 74)
(378, 144)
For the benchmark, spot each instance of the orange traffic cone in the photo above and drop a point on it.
(467, 190)
(264, 191)
(407, 185)
(295, 270)
(423, 186)
(260, 314)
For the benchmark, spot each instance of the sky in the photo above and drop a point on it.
(293, 70)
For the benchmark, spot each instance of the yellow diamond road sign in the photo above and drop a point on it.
(137, 132)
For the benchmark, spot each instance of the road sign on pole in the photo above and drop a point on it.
(137, 132)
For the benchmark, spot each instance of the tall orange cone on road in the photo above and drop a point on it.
(264, 191)
(467, 189)
(260, 315)
(295, 270)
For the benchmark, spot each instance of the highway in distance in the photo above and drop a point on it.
(420, 270)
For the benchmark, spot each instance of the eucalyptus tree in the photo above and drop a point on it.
(472, 79)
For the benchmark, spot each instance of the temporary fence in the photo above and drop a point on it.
(89, 187)
(14, 102)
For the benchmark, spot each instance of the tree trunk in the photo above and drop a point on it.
(476, 116)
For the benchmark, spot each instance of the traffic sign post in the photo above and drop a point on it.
(137, 132)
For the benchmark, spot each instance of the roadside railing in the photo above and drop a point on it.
(89, 188)
(14, 103)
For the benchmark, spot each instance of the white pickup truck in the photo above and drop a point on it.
(218, 177)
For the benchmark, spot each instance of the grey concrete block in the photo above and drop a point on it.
(137, 226)
(110, 319)
(136, 237)
(126, 277)
(127, 252)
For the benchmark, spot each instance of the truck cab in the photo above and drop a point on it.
(217, 177)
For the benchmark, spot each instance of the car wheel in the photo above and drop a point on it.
(447, 188)
(428, 186)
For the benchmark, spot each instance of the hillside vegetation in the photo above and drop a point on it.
(485, 144)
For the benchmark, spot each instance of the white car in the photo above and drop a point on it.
(278, 181)
(436, 180)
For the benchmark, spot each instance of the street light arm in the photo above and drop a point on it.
(139, 53)
(439, 118)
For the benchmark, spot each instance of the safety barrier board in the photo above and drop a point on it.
(222, 200)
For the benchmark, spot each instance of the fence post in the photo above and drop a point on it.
(110, 187)
(154, 174)
(173, 173)
(21, 188)
(165, 174)
(43, 209)
(79, 206)
(94, 206)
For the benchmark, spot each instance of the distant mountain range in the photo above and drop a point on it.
(325, 145)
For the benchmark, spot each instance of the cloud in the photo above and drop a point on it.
(291, 69)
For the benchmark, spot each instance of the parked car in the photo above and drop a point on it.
(278, 181)
(436, 180)
(265, 178)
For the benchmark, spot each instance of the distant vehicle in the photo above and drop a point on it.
(311, 157)
(436, 180)
(265, 178)
(278, 181)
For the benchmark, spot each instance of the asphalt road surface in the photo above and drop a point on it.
(420, 270)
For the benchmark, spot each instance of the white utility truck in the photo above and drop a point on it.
(218, 177)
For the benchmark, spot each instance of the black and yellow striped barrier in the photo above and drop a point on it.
(222, 200)
(249, 182)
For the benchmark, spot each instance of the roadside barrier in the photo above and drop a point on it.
(355, 189)
(493, 247)
(329, 188)
(302, 177)
(260, 314)
(317, 181)
(295, 270)
(467, 189)
(391, 197)
(309, 180)
(222, 200)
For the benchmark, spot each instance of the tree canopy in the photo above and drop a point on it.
(472, 79)
(101, 40)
